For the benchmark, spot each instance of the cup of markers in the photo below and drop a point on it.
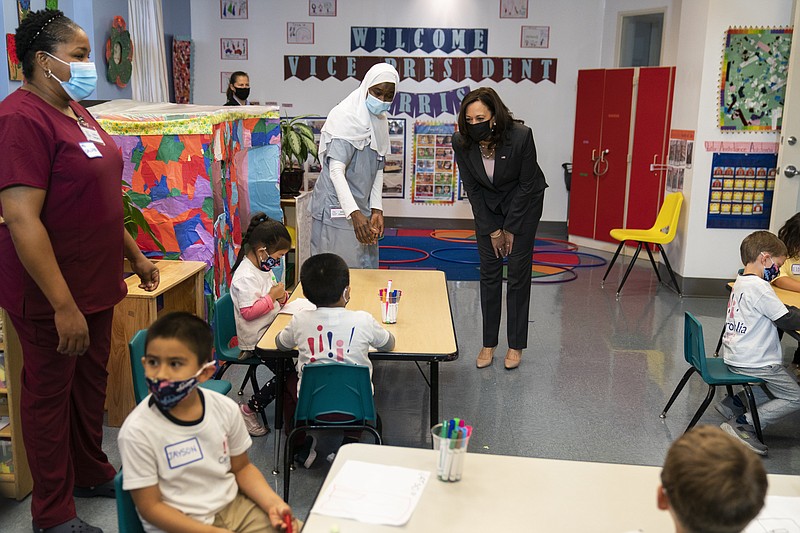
(389, 300)
(451, 438)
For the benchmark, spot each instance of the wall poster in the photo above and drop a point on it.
(755, 65)
(741, 189)
(435, 173)
(394, 176)
(679, 160)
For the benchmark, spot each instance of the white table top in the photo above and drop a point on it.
(504, 493)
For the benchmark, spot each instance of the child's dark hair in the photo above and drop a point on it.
(41, 31)
(761, 241)
(263, 231)
(234, 77)
(192, 331)
(790, 235)
(324, 278)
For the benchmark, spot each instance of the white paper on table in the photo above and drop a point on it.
(295, 306)
(373, 493)
(780, 514)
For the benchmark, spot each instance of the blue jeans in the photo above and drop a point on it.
(781, 384)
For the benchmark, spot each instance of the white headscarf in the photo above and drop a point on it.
(351, 120)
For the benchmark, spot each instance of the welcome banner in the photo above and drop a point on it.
(431, 104)
(514, 69)
(428, 39)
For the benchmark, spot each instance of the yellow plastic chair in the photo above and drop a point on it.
(662, 232)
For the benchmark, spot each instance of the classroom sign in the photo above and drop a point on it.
(741, 190)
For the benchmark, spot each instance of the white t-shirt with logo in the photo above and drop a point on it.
(751, 339)
(190, 462)
(250, 284)
(332, 335)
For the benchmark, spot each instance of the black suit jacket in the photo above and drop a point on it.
(506, 202)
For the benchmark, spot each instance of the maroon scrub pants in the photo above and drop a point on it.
(63, 399)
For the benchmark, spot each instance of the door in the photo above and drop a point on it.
(786, 200)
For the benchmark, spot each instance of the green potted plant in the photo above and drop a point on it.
(297, 143)
(134, 219)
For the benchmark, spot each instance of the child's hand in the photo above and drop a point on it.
(280, 515)
(277, 292)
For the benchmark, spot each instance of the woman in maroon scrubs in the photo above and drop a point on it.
(61, 253)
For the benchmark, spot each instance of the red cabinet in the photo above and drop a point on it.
(622, 124)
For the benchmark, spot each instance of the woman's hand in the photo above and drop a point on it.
(73, 332)
(376, 220)
(509, 241)
(277, 292)
(498, 243)
(365, 233)
(147, 272)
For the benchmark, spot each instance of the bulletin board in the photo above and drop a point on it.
(435, 179)
(741, 190)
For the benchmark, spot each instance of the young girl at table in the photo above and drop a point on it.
(257, 297)
(789, 276)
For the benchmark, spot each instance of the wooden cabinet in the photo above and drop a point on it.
(19, 483)
(622, 125)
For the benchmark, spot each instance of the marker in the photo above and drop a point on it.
(287, 520)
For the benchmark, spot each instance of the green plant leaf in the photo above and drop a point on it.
(293, 143)
(304, 130)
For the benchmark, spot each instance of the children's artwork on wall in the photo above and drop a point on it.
(119, 53)
(435, 173)
(513, 9)
(321, 8)
(741, 190)
(14, 65)
(182, 69)
(224, 81)
(299, 33)
(755, 65)
(232, 48)
(23, 8)
(394, 175)
(534, 37)
(679, 159)
(233, 9)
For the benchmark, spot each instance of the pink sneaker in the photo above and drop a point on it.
(251, 422)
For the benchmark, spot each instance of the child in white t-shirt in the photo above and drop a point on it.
(750, 344)
(184, 449)
(330, 333)
(257, 297)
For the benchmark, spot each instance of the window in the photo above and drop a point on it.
(640, 40)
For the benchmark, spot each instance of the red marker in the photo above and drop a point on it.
(287, 520)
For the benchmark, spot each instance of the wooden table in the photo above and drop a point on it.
(424, 329)
(505, 493)
(180, 289)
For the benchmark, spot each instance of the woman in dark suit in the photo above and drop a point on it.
(238, 89)
(497, 162)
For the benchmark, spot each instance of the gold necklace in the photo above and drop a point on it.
(486, 155)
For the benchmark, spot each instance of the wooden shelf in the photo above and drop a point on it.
(6, 478)
(3, 390)
(5, 433)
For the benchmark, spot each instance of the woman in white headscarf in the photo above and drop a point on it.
(346, 205)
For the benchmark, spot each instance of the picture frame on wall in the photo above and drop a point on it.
(299, 33)
(535, 37)
(513, 9)
(233, 48)
(321, 8)
(233, 9)
(224, 80)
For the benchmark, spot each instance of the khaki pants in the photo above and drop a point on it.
(242, 515)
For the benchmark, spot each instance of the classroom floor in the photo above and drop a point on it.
(595, 377)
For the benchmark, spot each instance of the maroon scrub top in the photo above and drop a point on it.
(82, 210)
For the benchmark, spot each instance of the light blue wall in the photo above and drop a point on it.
(177, 23)
(103, 13)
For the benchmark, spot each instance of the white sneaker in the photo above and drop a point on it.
(252, 424)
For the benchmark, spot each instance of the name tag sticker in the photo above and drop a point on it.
(796, 269)
(183, 453)
(92, 134)
(90, 150)
(337, 212)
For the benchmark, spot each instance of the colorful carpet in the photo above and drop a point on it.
(456, 253)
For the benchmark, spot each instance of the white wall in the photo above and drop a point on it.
(549, 109)
(669, 41)
(699, 252)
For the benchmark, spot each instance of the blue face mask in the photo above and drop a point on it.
(269, 263)
(82, 79)
(771, 272)
(375, 106)
(168, 393)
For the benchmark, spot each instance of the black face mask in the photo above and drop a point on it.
(480, 131)
(241, 92)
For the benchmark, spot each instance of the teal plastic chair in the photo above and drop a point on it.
(332, 390)
(224, 331)
(136, 349)
(127, 518)
(714, 372)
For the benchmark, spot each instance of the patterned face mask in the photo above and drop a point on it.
(168, 393)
